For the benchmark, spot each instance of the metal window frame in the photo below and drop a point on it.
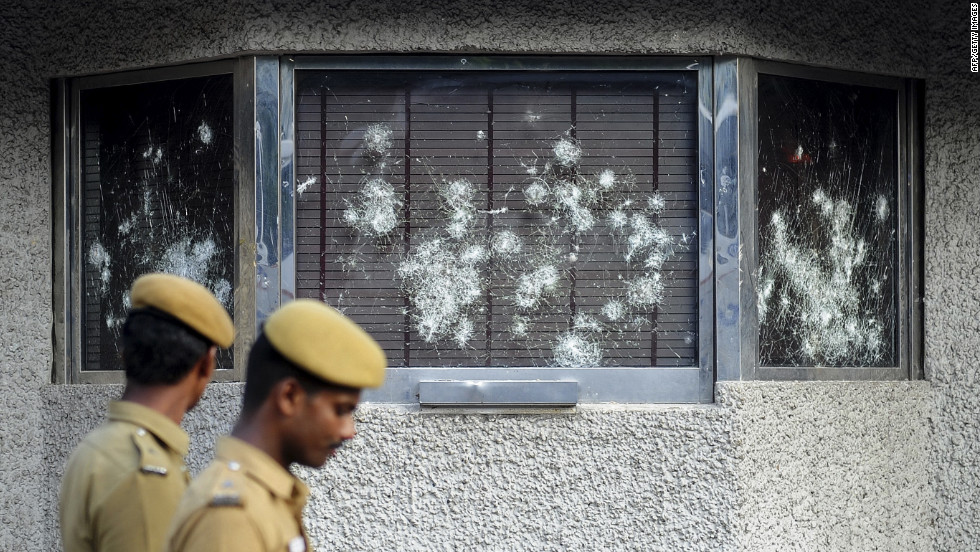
(736, 239)
(596, 385)
(66, 214)
(727, 220)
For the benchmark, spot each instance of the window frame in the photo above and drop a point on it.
(67, 261)
(596, 385)
(264, 226)
(737, 235)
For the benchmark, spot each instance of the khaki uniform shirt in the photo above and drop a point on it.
(243, 502)
(123, 482)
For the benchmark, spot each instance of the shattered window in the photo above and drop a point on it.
(503, 218)
(156, 191)
(828, 223)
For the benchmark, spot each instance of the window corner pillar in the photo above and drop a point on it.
(735, 219)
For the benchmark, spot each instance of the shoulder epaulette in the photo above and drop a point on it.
(153, 459)
(226, 499)
(227, 489)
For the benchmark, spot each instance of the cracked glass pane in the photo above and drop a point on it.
(503, 218)
(156, 187)
(828, 223)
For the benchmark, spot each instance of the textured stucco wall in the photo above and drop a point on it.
(646, 478)
(665, 478)
(772, 466)
(25, 318)
(651, 479)
(825, 466)
(93, 36)
(952, 346)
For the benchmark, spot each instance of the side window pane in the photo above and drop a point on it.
(828, 224)
(503, 219)
(156, 191)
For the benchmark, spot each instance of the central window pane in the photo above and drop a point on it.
(503, 218)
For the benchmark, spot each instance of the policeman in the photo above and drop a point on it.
(124, 480)
(305, 375)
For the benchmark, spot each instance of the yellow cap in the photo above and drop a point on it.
(187, 301)
(327, 344)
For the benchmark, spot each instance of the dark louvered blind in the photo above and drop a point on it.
(503, 219)
(156, 181)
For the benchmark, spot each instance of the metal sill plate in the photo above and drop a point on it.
(498, 393)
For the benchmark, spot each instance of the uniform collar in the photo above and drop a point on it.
(162, 427)
(261, 467)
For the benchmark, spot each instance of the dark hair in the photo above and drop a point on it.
(267, 367)
(158, 349)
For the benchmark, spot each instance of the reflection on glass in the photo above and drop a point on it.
(156, 186)
(503, 219)
(828, 220)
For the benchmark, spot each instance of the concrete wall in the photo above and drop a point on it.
(952, 276)
(772, 466)
(795, 466)
(25, 284)
(651, 478)
(826, 466)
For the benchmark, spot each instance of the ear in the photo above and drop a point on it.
(196, 381)
(288, 397)
(207, 364)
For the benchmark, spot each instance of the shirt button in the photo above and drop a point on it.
(141, 432)
(234, 466)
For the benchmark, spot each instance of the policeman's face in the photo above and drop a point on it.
(327, 422)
